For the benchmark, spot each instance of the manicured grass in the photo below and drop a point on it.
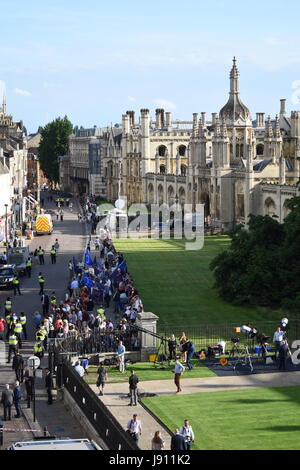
(177, 285)
(149, 371)
(248, 419)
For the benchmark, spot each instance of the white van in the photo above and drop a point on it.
(55, 444)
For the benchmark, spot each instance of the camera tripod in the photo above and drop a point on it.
(235, 350)
(244, 359)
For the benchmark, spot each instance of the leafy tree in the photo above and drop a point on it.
(249, 272)
(54, 143)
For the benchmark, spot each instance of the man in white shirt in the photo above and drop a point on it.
(121, 356)
(187, 432)
(79, 369)
(134, 426)
(277, 339)
(178, 371)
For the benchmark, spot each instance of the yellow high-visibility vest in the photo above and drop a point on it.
(13, 340)
(18, 328)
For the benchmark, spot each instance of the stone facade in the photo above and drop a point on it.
(13, 160)
(80, 169)
(226, 163)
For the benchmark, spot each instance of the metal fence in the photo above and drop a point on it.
(99, 342)
(108, 428)
(204, 335)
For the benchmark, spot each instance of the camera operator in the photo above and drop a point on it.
(277, 340)
(172, 347)
(284, 353)
(189, 347)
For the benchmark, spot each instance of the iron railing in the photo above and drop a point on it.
(108, 428)
(204, 335)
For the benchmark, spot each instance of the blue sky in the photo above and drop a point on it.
(94, 60)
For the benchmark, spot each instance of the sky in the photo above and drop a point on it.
(93, 60)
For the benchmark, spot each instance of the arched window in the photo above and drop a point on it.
(182, 150)
(259, 149)
(270, 207)
(162, 169)
(162, 150)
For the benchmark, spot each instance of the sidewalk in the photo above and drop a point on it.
(116, 399)
(72, 240)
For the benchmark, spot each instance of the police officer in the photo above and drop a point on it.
(53, 300)
(7, 306)
(23, 321)
(12, 346)
(16, 285)
(41, 280)
(38, 350)
(18, 332)
(41, 253)
(28, 267)
(53, 255)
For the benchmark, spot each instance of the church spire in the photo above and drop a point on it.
(4, 104)
(234, 78)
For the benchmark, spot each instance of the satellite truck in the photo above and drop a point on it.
(51, 443)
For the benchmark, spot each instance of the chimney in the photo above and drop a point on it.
(126, 123)
(158, 118)
(195, 123)
(214, 118)
(131, 117)
(203, 117)
(169, 120)
(282, 107)
(260, 119)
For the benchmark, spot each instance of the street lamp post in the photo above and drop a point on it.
(6, 239)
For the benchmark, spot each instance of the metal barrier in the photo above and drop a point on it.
(108, 428)
(203, 335)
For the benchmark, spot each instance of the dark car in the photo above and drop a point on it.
(7, 274)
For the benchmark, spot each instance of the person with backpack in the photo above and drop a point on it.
(134, 428)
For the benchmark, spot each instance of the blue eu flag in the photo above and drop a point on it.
(88, 259)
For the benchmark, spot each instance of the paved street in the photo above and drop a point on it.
(72, 238)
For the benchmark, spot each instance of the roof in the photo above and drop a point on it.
(261, 165)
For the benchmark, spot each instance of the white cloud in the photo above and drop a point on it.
(162, 103)
(18, 91)
(131, 99)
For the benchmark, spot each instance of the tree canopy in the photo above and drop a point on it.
(54, 143)
(262, 264)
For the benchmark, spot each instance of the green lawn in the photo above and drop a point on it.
(149, 371)
(177, 285)
(249, 419)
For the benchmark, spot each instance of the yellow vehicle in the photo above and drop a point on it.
(43, 224)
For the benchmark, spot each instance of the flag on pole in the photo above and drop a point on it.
(88, 259)
(123, 267)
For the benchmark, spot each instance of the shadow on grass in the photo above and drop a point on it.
(291, 428)
(255, 401)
